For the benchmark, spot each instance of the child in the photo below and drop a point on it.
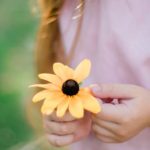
(115, 36)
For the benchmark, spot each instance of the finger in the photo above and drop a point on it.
(113, 127)
(103, 131)
(66, 118)
(106, 139)
(83, 129)
(110, 112)
(115, 91)
(61, 128)
(60, 141)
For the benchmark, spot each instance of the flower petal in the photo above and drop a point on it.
(76, 107)
(69, 72)
(89, 102)
(62, 108)
(51, 78)
(59, 70)
(50, 87)
(51, 103)
(63, 71)
(54, 95)
(40, 96)
(82, 70)
(46, 109)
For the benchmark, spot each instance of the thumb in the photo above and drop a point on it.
(117, 91)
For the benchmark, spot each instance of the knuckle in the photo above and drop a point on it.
(94, 128)
(69, 117)
(122, 135)
(53, 117)
(120, 140)
(108, 88)
(101, 138)
(46, 127)
(111, 88)
(63, 129)
(58, 143)
(98, 136)
(55, 142)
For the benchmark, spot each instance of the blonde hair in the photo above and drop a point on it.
(49, 43)
(50, 47)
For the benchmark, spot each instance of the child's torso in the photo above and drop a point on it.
(116, 38)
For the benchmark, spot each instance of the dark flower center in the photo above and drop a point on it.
(70, 87)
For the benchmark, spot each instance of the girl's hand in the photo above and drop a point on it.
(66, 130)
(122, 121)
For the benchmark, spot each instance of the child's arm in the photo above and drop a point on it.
(66, 130)
(122, 121)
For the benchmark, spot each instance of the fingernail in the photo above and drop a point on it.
(95, 88)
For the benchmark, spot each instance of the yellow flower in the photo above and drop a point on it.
(64, 93)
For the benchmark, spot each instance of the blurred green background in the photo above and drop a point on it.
(18, 28)
(17, 38)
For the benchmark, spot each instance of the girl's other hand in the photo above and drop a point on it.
(122, 121)
(66, 130)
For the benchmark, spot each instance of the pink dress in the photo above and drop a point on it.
(115, 36)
